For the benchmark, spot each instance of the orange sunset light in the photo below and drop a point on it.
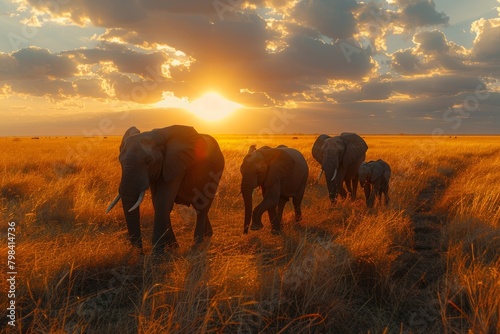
(212, 107)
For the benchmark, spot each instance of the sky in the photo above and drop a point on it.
(90, 67)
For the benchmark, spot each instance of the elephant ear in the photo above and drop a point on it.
(355, 148)
(280, 164)
(183, 147)
(317, 153)
(130, 132)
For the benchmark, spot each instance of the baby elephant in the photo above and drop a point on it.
(374, 177)
(281, 173)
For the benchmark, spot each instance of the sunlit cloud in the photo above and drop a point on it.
(262, 54)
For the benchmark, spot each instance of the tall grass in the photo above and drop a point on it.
(342, 269)
(471, 294)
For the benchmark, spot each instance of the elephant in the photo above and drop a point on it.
(180, 166)
(282, 173)
(340, 158)
(374, 177)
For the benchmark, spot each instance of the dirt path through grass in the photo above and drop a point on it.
(420, 268)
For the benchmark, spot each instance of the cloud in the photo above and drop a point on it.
(263, 53)
(406, 62)
(380, 90)
(146, 65)
(332, 18)
(420, 13)
(100, 13)
(375, 90)
(55, 89)
(90, 88)
(439, 85)
(432, 53)
(431, 42)
(33, 63)
(486, 45)
(233, 53)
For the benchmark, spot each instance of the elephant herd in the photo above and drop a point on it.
(180, 165)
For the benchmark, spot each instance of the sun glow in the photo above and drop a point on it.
(212, 107)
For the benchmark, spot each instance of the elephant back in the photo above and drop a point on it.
(317, 153)
(386, 168)
(300, 161)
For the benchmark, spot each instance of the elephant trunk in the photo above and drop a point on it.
(247, 192)
(330, 166)
(131, 196)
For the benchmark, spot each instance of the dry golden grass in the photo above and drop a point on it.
(344, 268)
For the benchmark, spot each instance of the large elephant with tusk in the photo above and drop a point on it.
(340, 158)
(180, 166)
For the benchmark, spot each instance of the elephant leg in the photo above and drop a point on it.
(386, 197)
(269, 203)
(341, 191)
(386, 194)
(278, 223)
(376, 193)
(338, 189)
(348, 186)
(134, 230)
(257, 225)
(369, 195)
(271, 213)
(203, 227)
(297, 201)
(163, 201)
(208, 228)
(354, 183)
(340, 185)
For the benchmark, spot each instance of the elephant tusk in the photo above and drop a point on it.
(319, 176)
(334, 174)
(111, 206)
(139, 201)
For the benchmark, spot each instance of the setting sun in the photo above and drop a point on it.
(212, 107)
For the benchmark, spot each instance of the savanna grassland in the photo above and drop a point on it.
(427, 263)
